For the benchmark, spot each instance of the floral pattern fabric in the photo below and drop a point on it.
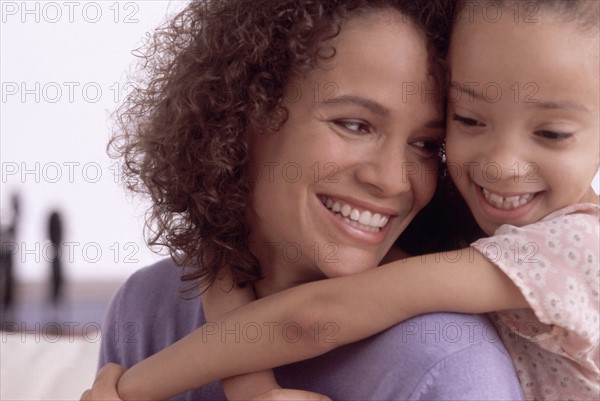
(555, 263)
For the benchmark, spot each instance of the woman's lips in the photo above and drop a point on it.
(362, 219)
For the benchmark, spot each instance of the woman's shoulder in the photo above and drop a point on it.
(147, 314)
(159, 282)
(434, 356)
(435, 337)
(447, 355)
(151, 299)
(157, 275)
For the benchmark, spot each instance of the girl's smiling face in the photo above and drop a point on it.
(523, 116)
(355, 160)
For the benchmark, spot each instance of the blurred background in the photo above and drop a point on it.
(70, 234)
(64, 70)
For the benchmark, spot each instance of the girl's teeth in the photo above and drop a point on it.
(495, 198)
(365, 220)
(509, 202)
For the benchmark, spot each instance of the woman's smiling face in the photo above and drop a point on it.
(355, 160)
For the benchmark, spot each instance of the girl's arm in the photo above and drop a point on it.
(222, 297)
(329, 313)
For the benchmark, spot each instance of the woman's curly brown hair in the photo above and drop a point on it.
(210, 76)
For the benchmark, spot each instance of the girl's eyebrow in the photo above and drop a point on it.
(548, 105)
(468, 90)
(561, 104)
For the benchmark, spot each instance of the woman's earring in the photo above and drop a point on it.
(442, 155)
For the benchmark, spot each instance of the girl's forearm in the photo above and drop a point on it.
(358, 306)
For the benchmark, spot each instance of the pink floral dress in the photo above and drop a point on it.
(555, 263)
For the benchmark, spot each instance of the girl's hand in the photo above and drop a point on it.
(105, 384)
(284, 394)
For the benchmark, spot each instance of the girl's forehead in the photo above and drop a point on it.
(550, 61)
(475, 36)
(583, 15)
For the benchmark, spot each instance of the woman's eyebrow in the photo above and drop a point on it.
(375, 107)
(364, 102)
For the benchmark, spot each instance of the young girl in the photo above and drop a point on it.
(522, 148)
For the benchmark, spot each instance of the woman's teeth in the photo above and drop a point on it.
(365, 220)
(506, 202)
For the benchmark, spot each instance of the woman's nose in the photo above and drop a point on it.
(388, 173)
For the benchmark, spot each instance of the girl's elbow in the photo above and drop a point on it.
(316, 328)
(129, 390)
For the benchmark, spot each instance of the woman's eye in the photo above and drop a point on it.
(428, 148)
(356, 127)
(469, 122)
(553, 135)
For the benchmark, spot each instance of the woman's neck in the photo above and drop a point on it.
(268, 286)
(278, 278)
(281, 276)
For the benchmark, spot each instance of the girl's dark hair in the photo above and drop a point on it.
(206, 79)
(445, 224)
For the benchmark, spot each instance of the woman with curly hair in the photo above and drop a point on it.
(283, 142)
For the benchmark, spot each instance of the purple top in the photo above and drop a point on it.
(441, 356)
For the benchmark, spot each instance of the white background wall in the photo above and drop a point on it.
(63, 70)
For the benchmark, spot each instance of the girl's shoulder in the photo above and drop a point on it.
(584, 209)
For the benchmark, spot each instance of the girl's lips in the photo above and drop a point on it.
(506, 208)
(507, 202)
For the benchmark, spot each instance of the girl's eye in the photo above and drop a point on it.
(469, 122)
(356, 127)
(553, 135)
